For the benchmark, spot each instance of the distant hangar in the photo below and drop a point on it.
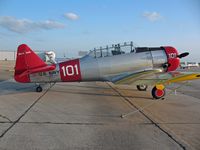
(7, 55)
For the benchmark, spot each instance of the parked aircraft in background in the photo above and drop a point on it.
(185, 65)
(141, 66)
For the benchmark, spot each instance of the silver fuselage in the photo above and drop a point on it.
(107, 68)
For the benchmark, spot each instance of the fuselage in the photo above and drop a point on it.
(105, 64)
(90, 68)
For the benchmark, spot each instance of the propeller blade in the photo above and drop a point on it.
(183, 55)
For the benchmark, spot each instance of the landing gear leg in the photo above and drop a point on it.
(39, 89)
(158, 93)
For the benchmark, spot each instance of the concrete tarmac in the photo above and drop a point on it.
(88, 116)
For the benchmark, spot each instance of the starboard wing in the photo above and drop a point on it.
(132, 78)
(153, 77)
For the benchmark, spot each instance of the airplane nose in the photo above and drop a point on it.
(173, 60)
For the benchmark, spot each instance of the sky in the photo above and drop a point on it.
(69, 26)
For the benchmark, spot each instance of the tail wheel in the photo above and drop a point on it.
(142, 87)
(39, 89)
(157, 93)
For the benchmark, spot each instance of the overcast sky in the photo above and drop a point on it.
(68, 26)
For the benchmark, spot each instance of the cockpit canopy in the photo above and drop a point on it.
(119, 49)
(114, 49)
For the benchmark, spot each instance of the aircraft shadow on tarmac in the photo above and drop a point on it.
(8, 87)
(98, 93)
(95, 87)
(11, 87)
(84, 86)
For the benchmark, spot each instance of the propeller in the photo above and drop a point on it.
(167, 65)
(183, 55)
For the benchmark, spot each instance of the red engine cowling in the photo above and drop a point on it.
(172, 59)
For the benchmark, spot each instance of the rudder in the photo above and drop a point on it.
(26, 60)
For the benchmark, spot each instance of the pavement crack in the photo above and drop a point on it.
(64, 123)
(146, 116)
(4, 117)
(25, 112)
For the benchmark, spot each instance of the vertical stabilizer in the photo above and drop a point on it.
(26, 60)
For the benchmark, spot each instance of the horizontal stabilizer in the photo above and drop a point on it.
(36, 70)
(28, 62)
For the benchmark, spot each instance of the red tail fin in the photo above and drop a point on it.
(26, 60)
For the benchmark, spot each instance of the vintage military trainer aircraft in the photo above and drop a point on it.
(141, 66)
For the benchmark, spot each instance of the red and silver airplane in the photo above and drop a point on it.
(141, 66)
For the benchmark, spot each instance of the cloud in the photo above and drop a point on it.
(25, 25)
(152, 16)
(71, 16)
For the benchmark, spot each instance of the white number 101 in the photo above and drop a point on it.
(70, 70)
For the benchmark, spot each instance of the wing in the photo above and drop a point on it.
(133, 78)
(153, 77)
(182, 76)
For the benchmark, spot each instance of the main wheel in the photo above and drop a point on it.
(157, 93)
(142, 87)
(39, 89)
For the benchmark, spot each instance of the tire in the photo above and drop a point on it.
(39, 89)
(142, 87)
(157, 94)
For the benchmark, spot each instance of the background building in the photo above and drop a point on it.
(11, 55)
(7, 55)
